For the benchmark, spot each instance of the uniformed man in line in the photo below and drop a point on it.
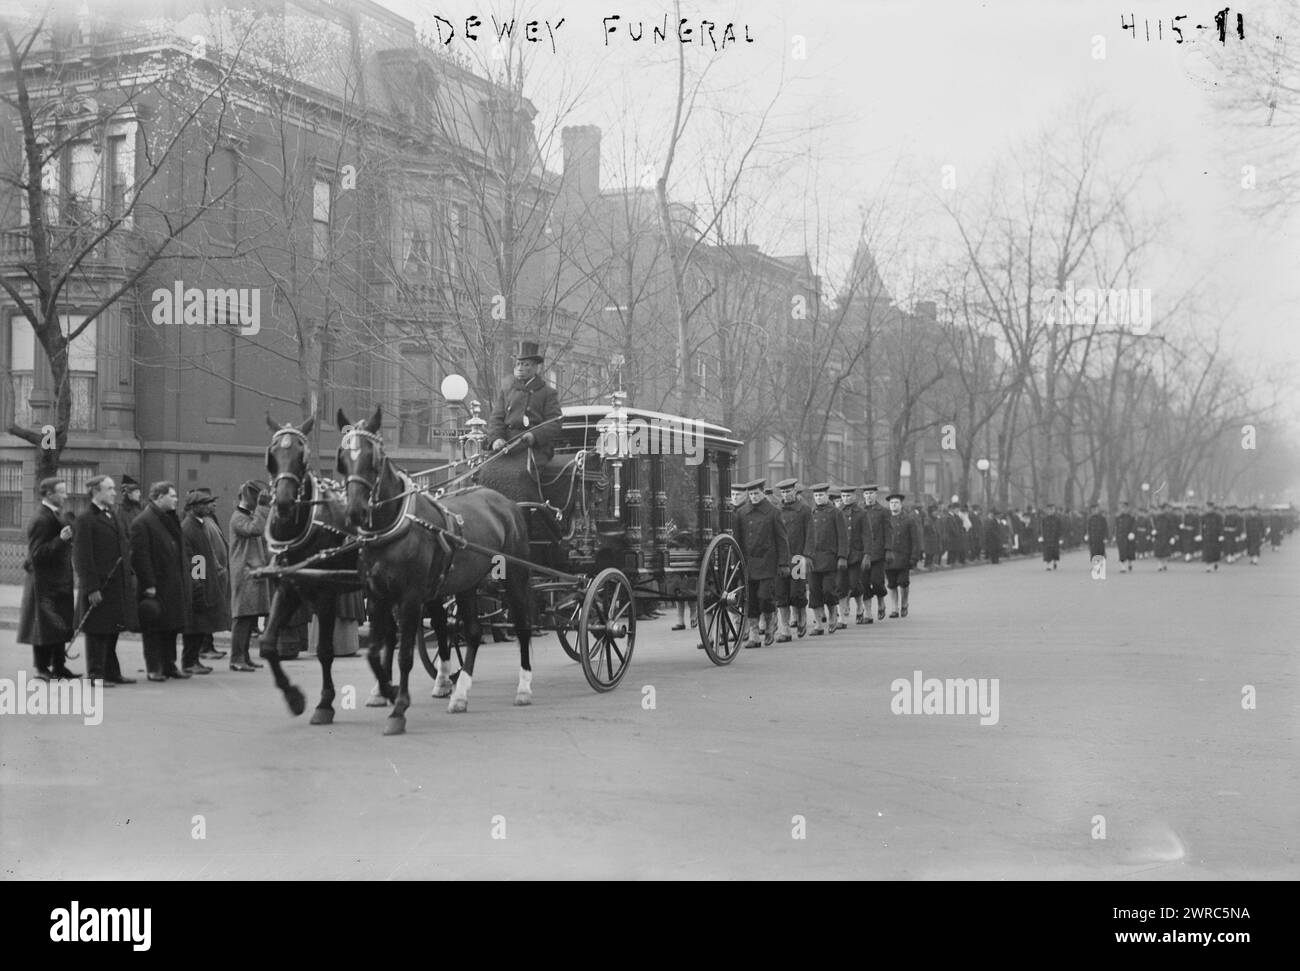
(1166, 536)
(1276, 528)
(791, 592)
(1126, 535)
(827, 552)
(1143, 531)
(873, 558)
(902, 550)
(1232, 533)
(1211, 537)
(1049, 537)
(739, 499)
(1188, 532)
(1097, 533)
(1254, 528)
(763, 542)
(851, 594)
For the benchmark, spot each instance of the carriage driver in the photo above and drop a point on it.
(527, 408)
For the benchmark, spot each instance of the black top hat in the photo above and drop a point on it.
(129, 483)
(529, 351)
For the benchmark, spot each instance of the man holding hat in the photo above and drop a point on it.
(762, 539)
(826, 550)
(209, 582)
(101, 556)
(902, 551)
(791, 593)
(527, 409)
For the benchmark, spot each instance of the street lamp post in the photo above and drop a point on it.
(983, 466)
(1146, 495)
(456, 389)
(613, 437)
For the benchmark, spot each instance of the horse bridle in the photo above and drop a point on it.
(377, 445)
(296, 480)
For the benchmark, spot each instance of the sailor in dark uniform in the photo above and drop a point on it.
(1126, 535)
(1166, 536)
(762, 539)
(1050, 536)
(791, 591)
(1211, 537)
(827, 552)
(1255, 529)
(1097, 533)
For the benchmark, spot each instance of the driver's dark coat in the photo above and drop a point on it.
(534, 399)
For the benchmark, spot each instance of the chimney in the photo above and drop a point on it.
(582, 159)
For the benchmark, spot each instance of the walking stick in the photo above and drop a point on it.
(67, 651)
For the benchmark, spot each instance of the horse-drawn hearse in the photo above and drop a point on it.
(630, 512)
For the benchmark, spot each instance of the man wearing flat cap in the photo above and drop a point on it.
(876, 522)
(762, 539)
(527, 409)
(791, 592)
(902, 551)
(209, 582)
(826, 550)
(130, 506)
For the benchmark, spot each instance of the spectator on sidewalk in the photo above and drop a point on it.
(45, 619)
(101, 554)
(209, 582)
(250, 598)
(131, 506)
(161, 559)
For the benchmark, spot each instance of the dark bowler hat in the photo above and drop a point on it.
(150, 612)
(787, 483)
(756, 484)
(129, 483)
(197, 497)
(821, 487)
(895, 495)
(529, 351)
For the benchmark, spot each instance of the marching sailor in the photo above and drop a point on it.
(792, 592)
(762, 539)
(827, 552)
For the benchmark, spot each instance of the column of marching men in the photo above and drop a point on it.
(815, 568)
(818, 557)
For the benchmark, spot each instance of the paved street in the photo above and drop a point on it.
(1118, 698)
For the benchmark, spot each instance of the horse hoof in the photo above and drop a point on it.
(458, 706)
(378, 701)
(442, 688)
(395, 725)
(297, 701)
(523, 699)
(322, 716)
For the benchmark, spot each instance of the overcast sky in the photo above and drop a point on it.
(904, 87)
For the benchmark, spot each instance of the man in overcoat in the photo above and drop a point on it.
(250, 598)
(46, 616)
(826, 552)
(1050, 536)
(876, 519)
(101, 555)
(1211, 537)
(1126, 535)
(792, 593)
(1255, 529)
(1097, 532)
(762, 539)
(209, 582)
(902, 550)
(161, 558)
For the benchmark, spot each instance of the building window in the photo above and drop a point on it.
(320, 218)
(22, 368)
(416, 225)
(82, 201)
(457, 238)
(415, 401)
(119, 176)
(78, 479)
(11, 495)
(83, 368)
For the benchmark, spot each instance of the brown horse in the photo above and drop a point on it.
(414, 553)
(308, 518)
